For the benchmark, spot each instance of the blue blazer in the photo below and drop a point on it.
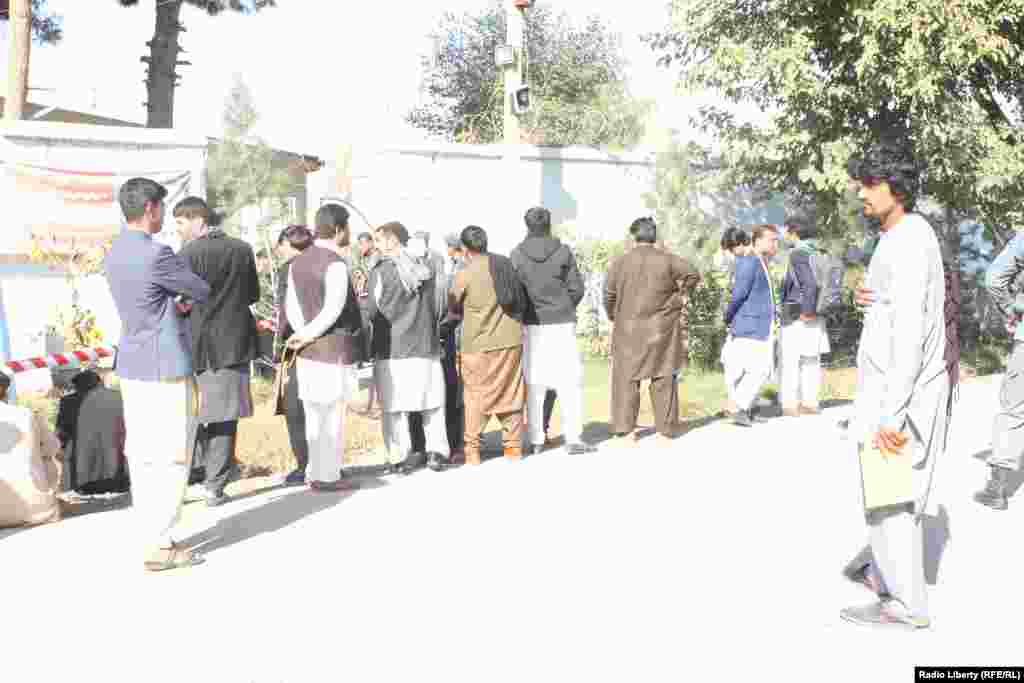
(144, 277)
(750, 311)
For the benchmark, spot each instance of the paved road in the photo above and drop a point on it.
(714, 559)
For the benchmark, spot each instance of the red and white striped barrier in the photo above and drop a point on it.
(59, 360)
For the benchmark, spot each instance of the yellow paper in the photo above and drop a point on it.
(886, 479)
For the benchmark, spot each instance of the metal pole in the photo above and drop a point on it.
(514, 21)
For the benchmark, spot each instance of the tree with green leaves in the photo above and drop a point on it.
(243, 171)
(164, 50)
(829, 77)
(575, 73)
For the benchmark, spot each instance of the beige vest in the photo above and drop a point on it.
(28, 470)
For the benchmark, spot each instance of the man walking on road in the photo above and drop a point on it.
(551, 358)
(154, 364)
(223, 333)
(644, 300)
(902, 384)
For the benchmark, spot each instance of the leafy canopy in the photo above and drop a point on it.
(831, 75)
(575, 72)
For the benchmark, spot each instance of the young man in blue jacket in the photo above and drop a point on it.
(753, 322)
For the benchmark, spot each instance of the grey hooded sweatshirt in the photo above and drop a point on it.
(553, 283)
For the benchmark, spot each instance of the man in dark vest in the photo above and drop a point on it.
(223, 334)
(407, 351)
(321, 306)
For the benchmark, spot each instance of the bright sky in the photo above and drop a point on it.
(321, 71)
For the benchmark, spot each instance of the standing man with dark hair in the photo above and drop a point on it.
(803, 336)
(154, 364)
(451, 345)
(902, 385)
(223, 335)
(552, 359)
(752, 320)
(295, 414)
(332, 231)
(407, 352)
(644, 300)
(735, 243)
(492, 347)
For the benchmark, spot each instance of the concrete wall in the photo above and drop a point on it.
(30, 293)
(443, 188)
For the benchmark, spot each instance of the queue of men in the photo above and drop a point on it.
(457, 341)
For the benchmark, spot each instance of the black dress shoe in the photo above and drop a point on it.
(756, 415)
(436, 461)
(742, 419)
(412, 462)
(994, 493)
(532, 450)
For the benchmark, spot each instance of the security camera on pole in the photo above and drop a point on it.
(510, 58)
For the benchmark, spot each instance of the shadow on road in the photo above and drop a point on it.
(277, 513)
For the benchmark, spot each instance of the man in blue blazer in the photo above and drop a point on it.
(152, 289)
(752, 321)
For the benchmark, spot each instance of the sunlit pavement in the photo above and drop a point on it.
(714, 558)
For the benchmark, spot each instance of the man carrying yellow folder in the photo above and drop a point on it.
(902, 389)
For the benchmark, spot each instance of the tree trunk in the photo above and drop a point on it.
(163, 61)
(20, 39)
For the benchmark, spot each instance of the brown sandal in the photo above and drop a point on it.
(175, 557)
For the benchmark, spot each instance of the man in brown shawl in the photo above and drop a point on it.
(491, 360)
(644, 299)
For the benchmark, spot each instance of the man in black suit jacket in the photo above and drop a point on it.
(224, 339)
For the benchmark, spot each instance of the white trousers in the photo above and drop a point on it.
(156, 416)
(753, 361)
(325, 434)
(800, 371)
(570, 406)
(897, 544)
(395, 426)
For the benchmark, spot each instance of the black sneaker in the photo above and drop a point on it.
(436, 462)
(580, 448)
(756, 415)
(742, 419)
(994, 493)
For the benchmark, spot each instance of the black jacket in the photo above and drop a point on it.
(553, 283)
(799, 288)
(223, 329)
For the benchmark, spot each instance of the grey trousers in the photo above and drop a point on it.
(1008, 425)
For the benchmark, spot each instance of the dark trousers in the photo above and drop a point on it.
(215, 446)
(417, 437)
(295, 418)
(454, 414)
(626, 403)
(549, 407)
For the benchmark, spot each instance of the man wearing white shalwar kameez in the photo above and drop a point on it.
(551, 357)
(407, 351)
(903, 386)
(321, 307)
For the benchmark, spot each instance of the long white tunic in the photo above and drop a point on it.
(901, 371)
(407, 384)
(321, 382)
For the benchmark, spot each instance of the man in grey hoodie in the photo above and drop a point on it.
(554, 287)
